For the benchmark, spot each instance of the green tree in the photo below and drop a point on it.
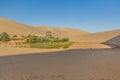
(33, 39)
(4, 37)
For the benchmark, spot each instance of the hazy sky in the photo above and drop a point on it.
(89, 15)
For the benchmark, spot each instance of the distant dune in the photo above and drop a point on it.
(75, 35)
(14, 28)
(72, 34)
(99, 37)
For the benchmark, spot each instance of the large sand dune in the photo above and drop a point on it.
(99, 37)
(15, 28)
(72, 34)
(114, 41)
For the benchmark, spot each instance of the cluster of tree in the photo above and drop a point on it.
(4, 37)
(36, 39)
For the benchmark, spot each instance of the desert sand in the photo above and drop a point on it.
(89, 45)
(15, 28)
(7, 51)
(99, 64)
(99, 37)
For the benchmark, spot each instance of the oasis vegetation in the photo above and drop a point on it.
(34, 41)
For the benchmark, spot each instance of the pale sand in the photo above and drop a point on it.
(101, 64)
(6, 51)
(19, 29)
(88, 45)
(15, 28)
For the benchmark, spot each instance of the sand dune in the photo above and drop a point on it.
(75, 35)
(72, 34)
(99, 37)
(114, 41)
(98, 40)
(15, 28)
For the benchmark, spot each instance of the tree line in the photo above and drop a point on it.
(5, 37)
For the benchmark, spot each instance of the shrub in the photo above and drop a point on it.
(4, 37)
(61, 40)
(50, 45)
(14, 36)
(65, 39)
(33, 39)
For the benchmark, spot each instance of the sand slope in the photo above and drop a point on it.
(15, 28)
(75, 35)
(99, 37)
(114, 41)
(72, 34)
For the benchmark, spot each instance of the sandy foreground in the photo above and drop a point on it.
(77, 64)
(88, 45)
(7, 51)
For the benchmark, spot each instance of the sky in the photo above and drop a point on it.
(88, 15)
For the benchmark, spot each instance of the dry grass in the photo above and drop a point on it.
(51, 45)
